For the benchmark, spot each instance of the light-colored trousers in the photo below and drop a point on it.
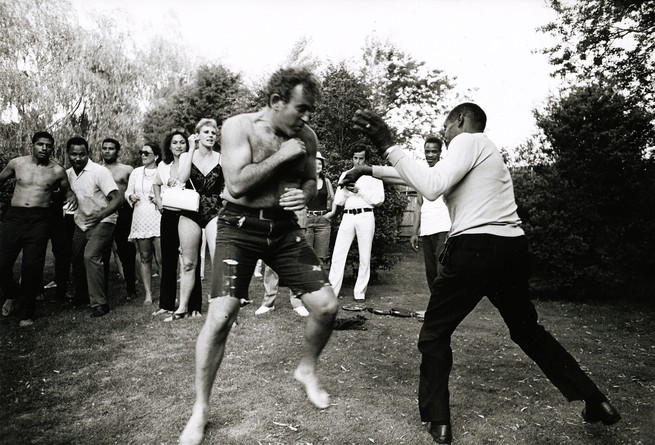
(271, 283)
(363, 227)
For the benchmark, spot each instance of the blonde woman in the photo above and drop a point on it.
(200, 168)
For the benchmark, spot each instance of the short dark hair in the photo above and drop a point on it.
(77, 140)
(284, 80)
(43, 134)
(155, 149)
(168, 154)
(112, 141)
(359, 147)
(473, 111)
(433, 139)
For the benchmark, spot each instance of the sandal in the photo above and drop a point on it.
(176, 316)
(161, 312)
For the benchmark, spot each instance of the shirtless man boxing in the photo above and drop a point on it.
(269, 163)
(26, 225)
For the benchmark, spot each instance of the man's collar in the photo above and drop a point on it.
(86, 167)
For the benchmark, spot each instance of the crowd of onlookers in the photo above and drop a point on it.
(108, 212)
(171, 244)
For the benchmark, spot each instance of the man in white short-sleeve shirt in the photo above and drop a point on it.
(431, 218)
(95, 218)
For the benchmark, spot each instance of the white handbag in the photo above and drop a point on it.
(177, 199)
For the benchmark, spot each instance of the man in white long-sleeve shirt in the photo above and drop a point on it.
(486, 255)
(358, 200)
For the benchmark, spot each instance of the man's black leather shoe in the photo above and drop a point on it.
(604, 412)
(441, 433)
(99, 311)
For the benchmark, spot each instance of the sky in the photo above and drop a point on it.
(490, 46)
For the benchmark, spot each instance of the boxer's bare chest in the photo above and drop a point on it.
(264, 142)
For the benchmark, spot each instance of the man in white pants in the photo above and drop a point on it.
(358, 200)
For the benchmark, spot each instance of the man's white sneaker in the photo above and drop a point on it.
(302, 311)
(50, 285)
(264, 309)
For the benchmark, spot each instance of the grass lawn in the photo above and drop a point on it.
(127, 378)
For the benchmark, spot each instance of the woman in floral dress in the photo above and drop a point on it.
(146, 217)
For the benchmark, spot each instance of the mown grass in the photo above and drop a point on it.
(127, 378)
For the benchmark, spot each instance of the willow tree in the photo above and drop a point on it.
(70, 78)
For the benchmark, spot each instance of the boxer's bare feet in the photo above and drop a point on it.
(315, 393)
(194, 431)
(8, 307)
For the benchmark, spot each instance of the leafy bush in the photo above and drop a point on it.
(589, 206)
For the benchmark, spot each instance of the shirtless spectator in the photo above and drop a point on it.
(26, 225)
(125, 249)
(269, 163)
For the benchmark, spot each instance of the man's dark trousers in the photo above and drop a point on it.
(26, 229)
(125, 249)
(170, 254)
(497, 267)
(433, 245)
(63, 228)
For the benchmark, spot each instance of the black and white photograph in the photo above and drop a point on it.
(456, 199)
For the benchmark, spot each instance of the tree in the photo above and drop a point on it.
(69, 79)
(589, 206)
(214, 92)
(413, 98)
(343, 93)
(37, 46)
(614, 38)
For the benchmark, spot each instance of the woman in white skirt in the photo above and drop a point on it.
(146, 217)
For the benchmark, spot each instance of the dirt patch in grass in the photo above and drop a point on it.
(127, 378)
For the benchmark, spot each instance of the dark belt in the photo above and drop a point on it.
(271, 214)
(316, 212)
(357, 211)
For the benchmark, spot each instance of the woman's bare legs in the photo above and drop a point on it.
(145, 247)
(190, 236)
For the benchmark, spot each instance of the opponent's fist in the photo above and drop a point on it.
(375, 128)
(354, 174)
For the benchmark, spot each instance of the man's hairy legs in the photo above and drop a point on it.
(210, 348)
